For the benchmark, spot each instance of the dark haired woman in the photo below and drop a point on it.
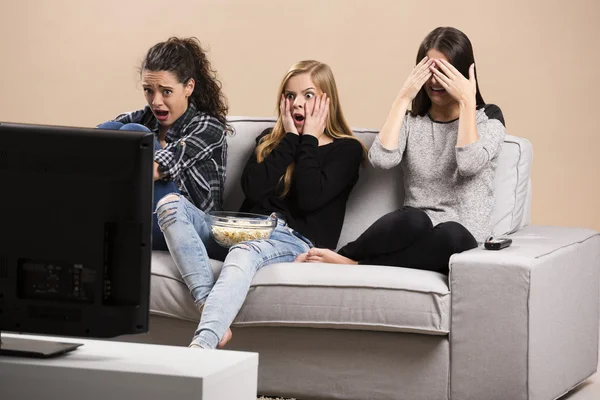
(447, 146)
(187, 112)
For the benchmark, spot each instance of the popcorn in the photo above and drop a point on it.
(229, 230)
(229, 236)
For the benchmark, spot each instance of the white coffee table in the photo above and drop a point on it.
(106, 370)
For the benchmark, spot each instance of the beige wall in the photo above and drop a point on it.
(73, 63)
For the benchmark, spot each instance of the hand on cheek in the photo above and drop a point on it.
(316, 115)
(286, 115)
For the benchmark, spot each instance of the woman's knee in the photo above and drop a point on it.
(255, 247)
(134, 127)
(412, 218)
(167, 209)
(457, 236)
(111, 125)
(243, 258)
(255, 254)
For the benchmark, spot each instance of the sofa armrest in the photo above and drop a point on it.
(525, 319)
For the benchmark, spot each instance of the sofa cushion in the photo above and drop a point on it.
(362, 297)
(240, 145)
(512, 184)
(377, 192)
(169, 295)
(321, 295)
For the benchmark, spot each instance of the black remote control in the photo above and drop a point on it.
(497, 244)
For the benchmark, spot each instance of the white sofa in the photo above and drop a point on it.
(520, 323)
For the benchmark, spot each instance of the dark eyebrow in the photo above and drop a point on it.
(160, 86)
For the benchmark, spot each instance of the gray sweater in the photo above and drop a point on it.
(449, 183)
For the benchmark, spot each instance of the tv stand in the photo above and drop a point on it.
(26, 347)
(108, 369)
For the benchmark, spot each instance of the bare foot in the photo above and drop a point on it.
(316, 255)
(225, 339)
(301, 257)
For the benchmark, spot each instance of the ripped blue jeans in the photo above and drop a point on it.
(190, 244)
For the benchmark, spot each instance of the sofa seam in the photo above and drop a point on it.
(303, 324)
(350, 287)
(168, 277)
(252, 120)
(566, 246)
(512, 214)
(512, 217)
(166, 314)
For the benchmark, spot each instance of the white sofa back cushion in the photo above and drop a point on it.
(512, 184)
(381, 191)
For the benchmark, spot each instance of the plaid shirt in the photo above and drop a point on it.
(195, 155)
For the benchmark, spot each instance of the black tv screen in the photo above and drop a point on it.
(75, 238)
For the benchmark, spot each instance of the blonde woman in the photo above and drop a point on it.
(303, 170)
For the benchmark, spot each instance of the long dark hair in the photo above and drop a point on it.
(457, 47)
(185, 59)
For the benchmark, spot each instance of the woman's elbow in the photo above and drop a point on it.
(466, 170)
(384, 162)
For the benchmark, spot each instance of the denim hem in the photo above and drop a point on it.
(203, 343)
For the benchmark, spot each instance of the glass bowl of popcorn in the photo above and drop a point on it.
(230, 228)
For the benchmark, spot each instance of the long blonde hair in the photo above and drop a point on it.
(336, 126)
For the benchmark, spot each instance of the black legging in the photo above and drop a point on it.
(407, 238)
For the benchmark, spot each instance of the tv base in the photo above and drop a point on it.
(34, 348)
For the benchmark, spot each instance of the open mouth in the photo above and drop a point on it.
(438, 91)
(299, 118)
(161, 115)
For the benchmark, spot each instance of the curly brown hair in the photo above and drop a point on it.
(185, 58)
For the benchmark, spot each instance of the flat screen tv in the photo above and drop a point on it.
(75, 237)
